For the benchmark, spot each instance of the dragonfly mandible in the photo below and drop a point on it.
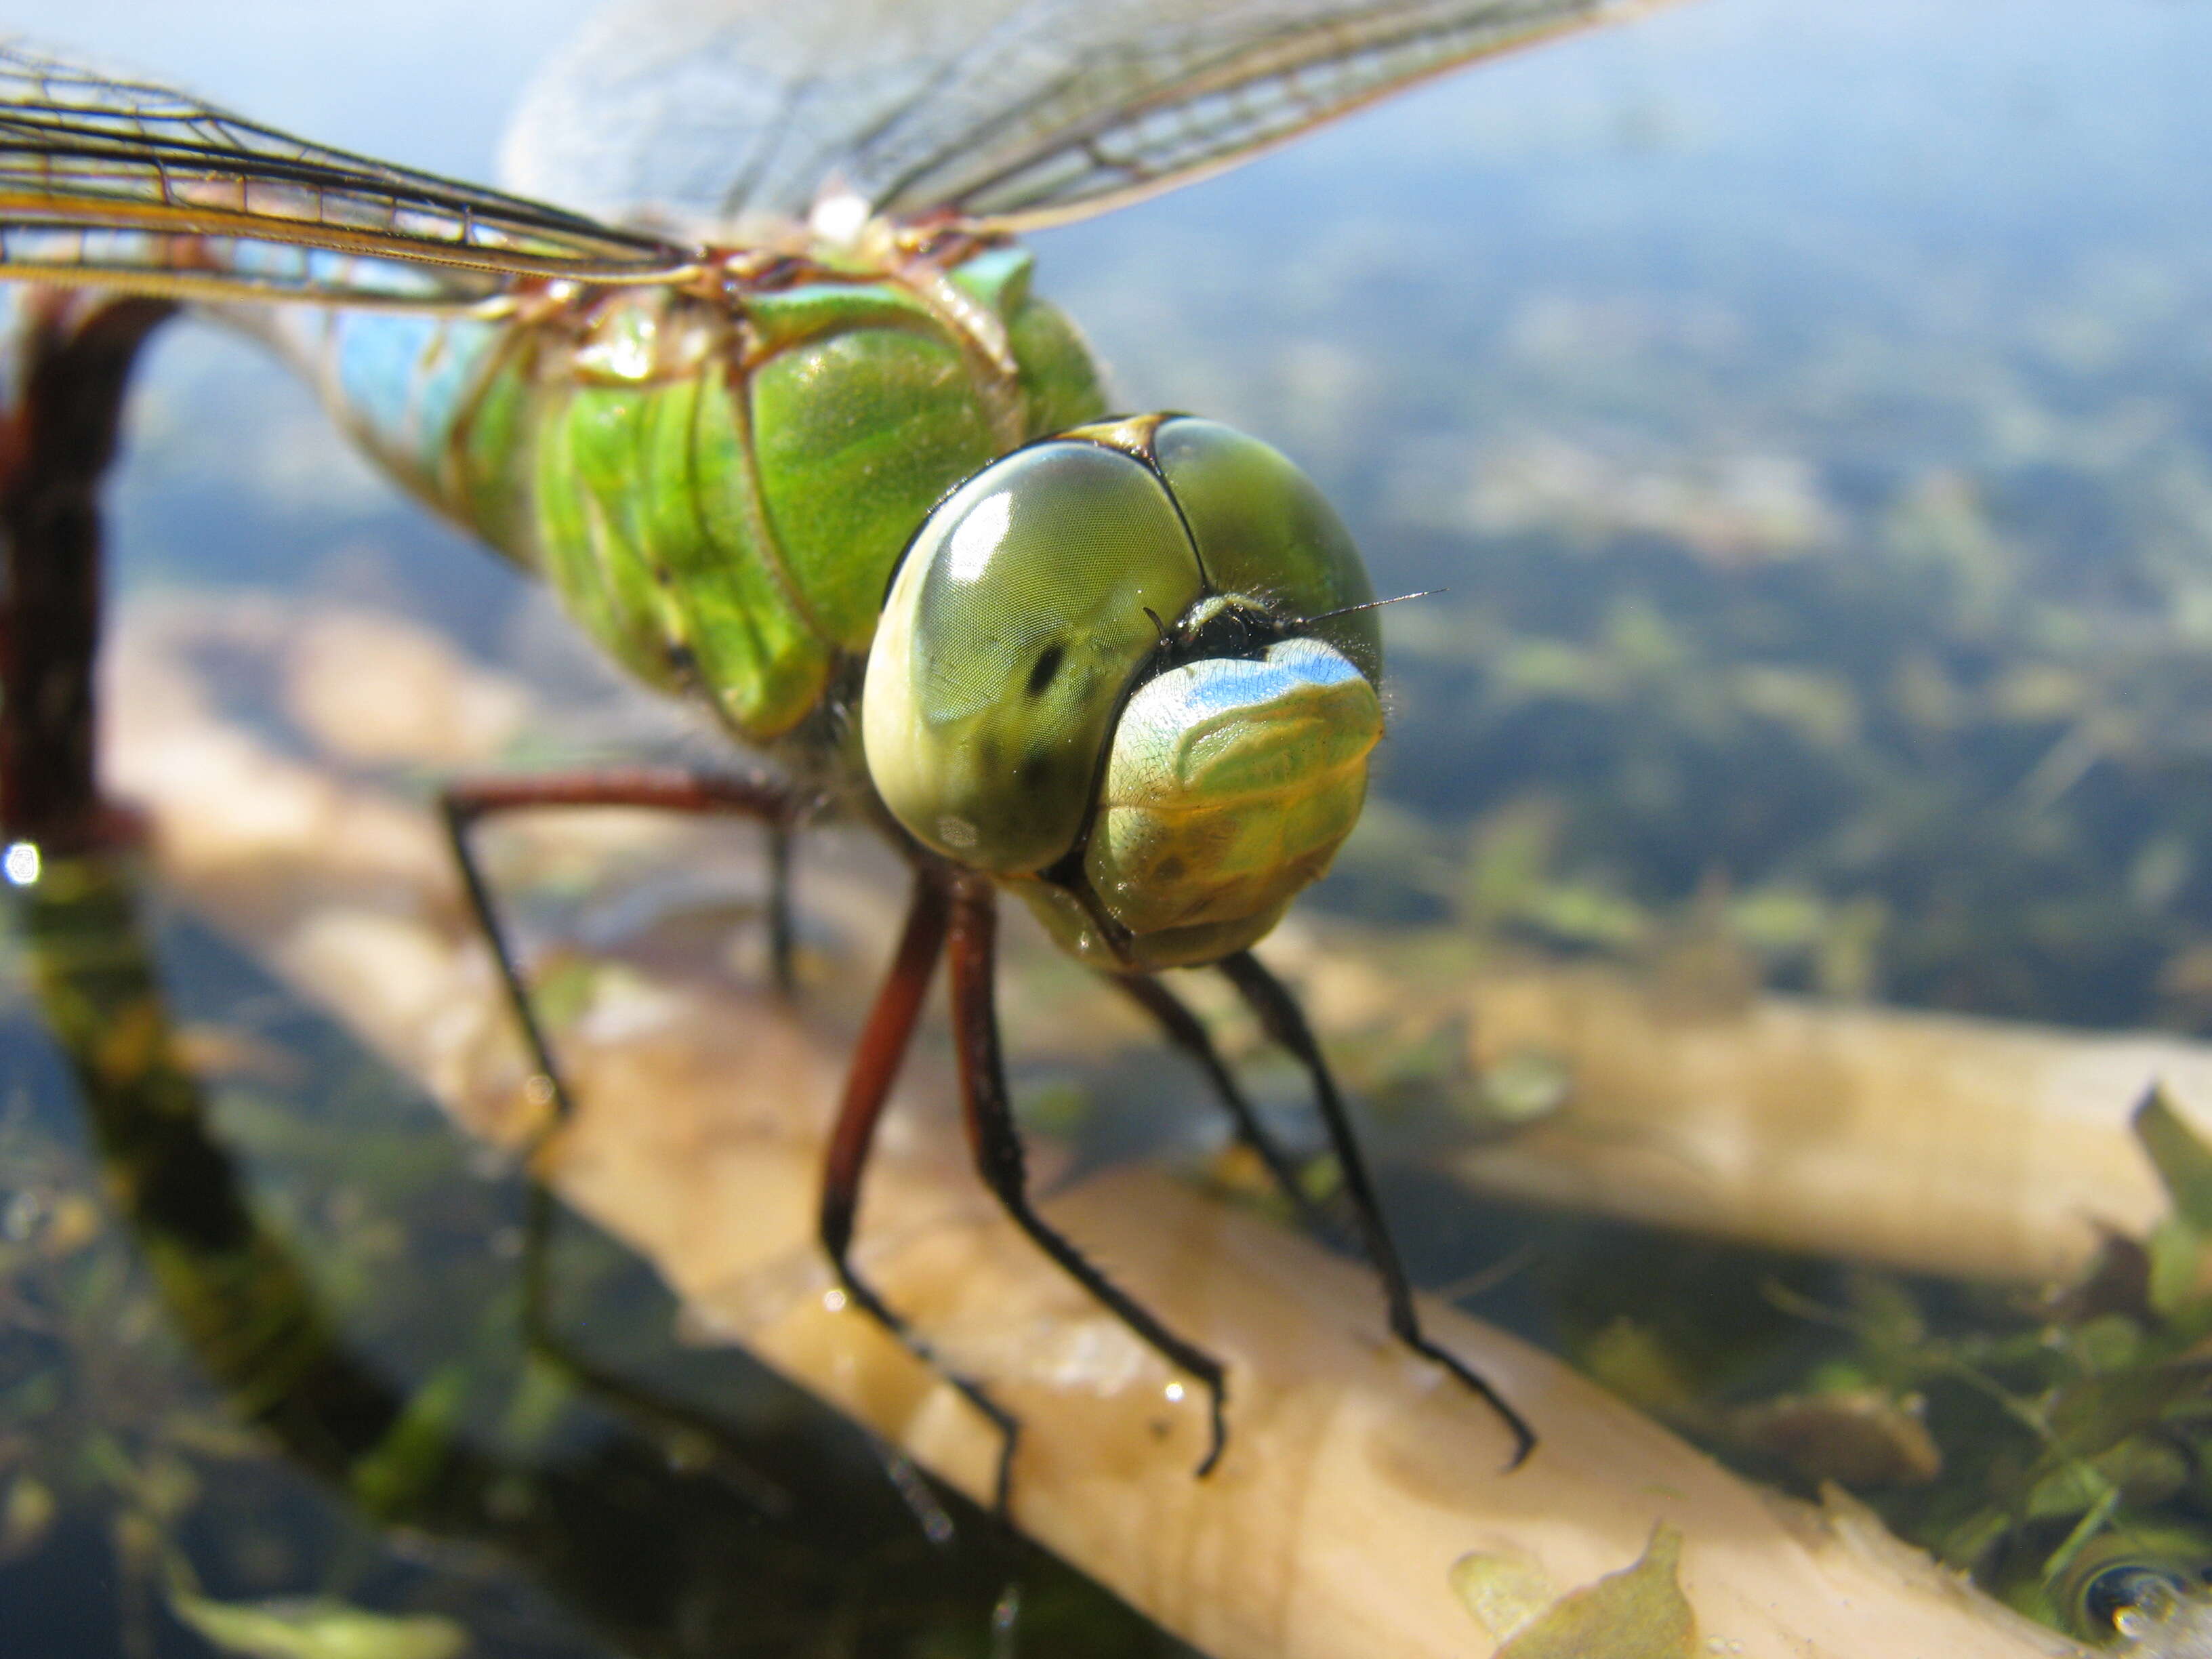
(806, 448)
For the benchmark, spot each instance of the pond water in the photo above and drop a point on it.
(1808, 417)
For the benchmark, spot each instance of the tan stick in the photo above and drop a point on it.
(1931, 1142)
(1356, 1477)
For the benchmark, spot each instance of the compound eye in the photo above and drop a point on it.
(1024, 607)
(1264, 528)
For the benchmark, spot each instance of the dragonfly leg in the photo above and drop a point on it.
(876, 1063)
(996, 1142)
(57, 432)
(1279, 1012)
(1185, 1031)
(673, 789)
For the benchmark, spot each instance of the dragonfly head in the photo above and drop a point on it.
(1118, 669)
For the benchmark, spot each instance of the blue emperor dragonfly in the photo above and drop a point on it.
(786, 429)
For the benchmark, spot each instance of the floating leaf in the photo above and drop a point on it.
(2184, 1162)
(2175, 1251)
(1860, 1437)
(1505, 1593)
(1638, 1612)
(1523, 1087)
(316, 1629)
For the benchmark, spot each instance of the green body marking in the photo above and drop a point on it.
(718, 491)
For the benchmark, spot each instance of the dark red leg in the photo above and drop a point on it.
(996, 1141)
(665, 788)
(57, 432)
(1185, 1031)
(876, 1063)
(1278, 1011)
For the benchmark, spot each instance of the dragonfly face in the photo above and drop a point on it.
(1116, 670)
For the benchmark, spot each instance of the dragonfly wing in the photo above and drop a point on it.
(114, 181)
(1024, 112)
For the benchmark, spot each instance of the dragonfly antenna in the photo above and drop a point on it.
(1374, 605)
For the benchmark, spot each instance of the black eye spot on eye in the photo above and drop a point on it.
(1047, 665)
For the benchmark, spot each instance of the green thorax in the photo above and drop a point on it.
(719, 489)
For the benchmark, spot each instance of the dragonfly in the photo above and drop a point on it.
(770, 404)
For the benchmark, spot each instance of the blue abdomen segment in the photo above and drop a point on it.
(717, 486)
(403, 384)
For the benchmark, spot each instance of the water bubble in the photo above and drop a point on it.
(21, 863)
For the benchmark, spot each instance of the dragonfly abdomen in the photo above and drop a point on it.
(718, 493)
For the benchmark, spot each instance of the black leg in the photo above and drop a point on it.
(876, 1063)
(670, 789)
(996, 1141)
(1279, 1012)
(1184, 1030)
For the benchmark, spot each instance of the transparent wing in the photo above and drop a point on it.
(1026, 111)
(114, 181)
